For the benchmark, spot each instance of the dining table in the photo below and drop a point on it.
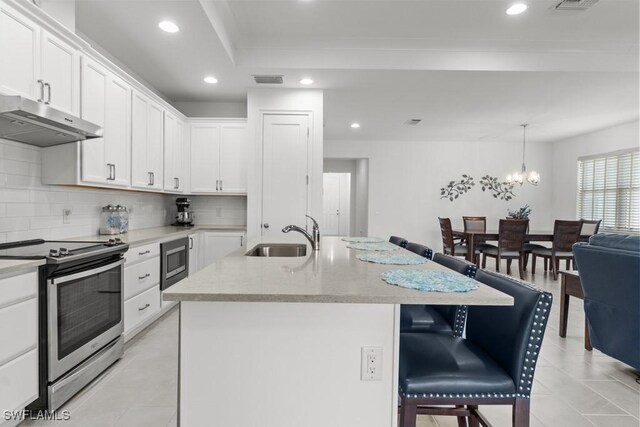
(473, 237)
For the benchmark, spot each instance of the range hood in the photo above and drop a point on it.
(35, 123)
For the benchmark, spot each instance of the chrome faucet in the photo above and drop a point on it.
(314, 240)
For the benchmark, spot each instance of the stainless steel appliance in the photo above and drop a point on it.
(174, 262)
(81, 312)
(184, 217)
(37, 123)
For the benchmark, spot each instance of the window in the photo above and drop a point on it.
(609, 189)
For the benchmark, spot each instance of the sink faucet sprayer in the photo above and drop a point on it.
(314, 240)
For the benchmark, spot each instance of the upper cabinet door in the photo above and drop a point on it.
(118, 131)
(140, 173)
(155, 144)
(173, 154)
(19, 55)
(94, 165)
(205, 158)
(180, 149)
(233, 158)
(61, 74)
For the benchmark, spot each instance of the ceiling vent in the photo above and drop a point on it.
(269, 80)
(412, 122)
(575, 4)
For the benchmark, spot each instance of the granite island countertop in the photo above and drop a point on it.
(331, 275)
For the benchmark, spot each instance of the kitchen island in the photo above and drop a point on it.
(280, 341)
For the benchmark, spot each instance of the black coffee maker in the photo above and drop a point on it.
(184, 217)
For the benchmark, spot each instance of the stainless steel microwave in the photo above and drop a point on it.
(174, 261)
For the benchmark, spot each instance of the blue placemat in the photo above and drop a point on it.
(392, 258)
(436, 281)
(362, 239)
(382, 246)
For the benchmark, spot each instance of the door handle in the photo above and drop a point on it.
(48, 86)
(265, 225)
(41, 82)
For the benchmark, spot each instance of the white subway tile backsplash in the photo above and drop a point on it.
(29, 209)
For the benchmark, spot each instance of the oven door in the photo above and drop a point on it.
(84, 314)
(175, 262)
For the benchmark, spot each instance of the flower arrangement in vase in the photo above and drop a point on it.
(522, 213)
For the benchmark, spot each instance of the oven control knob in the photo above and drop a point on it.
(111, 242)
(54, 253)
(118, 241)
(64, 251)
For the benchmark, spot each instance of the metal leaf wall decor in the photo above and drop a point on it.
(454, 189)
(499, 190)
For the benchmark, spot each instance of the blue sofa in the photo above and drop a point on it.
(609, 267)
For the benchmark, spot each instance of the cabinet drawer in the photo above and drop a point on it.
(140, 307)
(140, 253)
(19, 381)
(18, 288)
(21, 328)
(141, 276)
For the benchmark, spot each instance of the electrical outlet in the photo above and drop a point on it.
(66, 214)
(371, 364)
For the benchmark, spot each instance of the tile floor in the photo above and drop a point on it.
(573, 387)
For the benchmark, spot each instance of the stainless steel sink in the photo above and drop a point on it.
(278, 250)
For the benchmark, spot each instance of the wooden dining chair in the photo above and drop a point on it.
(477, 224)
(511, 235)
(449, 247)
(565, 234)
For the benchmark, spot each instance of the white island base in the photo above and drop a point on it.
(271, 364)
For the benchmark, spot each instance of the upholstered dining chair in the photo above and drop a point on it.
(418, 249)
(449, 247)
(478, 224)
(565, 234)
(448, 319)
(493, 365)
(590, 227)
(511, 235)
(398, 241)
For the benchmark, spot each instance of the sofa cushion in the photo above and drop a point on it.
(616, 241)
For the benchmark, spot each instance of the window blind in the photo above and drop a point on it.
(609, 189)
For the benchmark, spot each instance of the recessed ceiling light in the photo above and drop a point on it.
(168, 26)
(517, 9)
(355, 125)
(306, 81)
(210, 80)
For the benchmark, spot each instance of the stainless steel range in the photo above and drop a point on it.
(80, 307)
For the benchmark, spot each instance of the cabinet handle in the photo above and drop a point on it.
(220, 185)
(41, 82)
(153, 178)
(150, 178)
(144, 253)
(144, 308)
(48, 86)
(109, 177)
(144, 277)
(217, 187)
(176, 183)
(114, 172)
(241, 241)
(190, 242)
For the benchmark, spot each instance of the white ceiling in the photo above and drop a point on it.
(463, 66)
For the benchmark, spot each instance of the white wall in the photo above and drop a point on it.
(64, 11)
(405, 179)
(565, 161)
(212, 109)
(362, 197)
(282, 101)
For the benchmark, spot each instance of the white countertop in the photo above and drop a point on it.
(10, 266)
(331, 275)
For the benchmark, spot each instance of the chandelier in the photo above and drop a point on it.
(532, 177)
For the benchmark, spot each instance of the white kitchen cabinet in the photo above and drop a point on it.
(147, 143)
(219, 157)
(140, 308)
(174, 154)
(19, 352)
(194, 253)
(37, 65)
(217, 244)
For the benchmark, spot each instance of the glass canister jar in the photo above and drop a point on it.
(109, 220)
(123, 218)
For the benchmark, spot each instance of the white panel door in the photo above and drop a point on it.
(233, 158)
(61, 73)
(217, 245)
(336, 200)
(284, 171)
(19, 55)
(155, 144)
(205, 157)
(95, 78)
(140, 174)
(118, 131)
